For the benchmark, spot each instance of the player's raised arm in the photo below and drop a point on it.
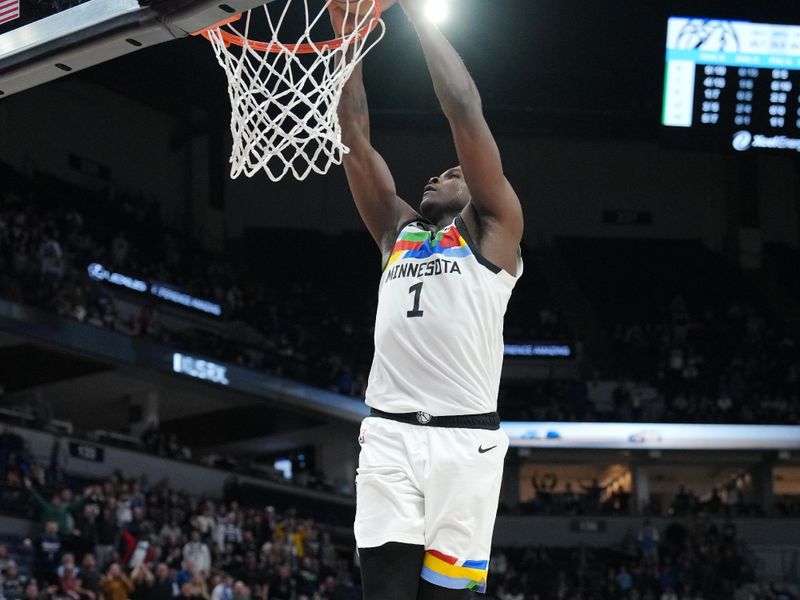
(370, 180)
(493, 198)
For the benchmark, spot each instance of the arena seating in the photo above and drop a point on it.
(139, 525)
(309, 329)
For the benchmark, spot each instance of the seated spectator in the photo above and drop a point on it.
(241, 591)
(143, 582)
(34, 592)
(13, 583)
(307, 578)
(224, 589)
(189, 591)
(69, 582)
(281, 586)
(116, 585)
(90, 576)
(6, 561)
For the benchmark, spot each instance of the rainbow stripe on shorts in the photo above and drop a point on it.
(450, 572)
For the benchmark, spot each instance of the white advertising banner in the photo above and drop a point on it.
(652, 436)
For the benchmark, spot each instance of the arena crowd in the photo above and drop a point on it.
(125, 537)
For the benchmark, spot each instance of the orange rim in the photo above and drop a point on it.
(237, 40)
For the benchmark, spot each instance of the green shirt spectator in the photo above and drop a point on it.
(56, 509)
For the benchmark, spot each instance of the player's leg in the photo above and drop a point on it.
(462, 489)
(389, 526)
(391, 571)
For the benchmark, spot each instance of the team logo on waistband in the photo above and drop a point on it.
(423, 418)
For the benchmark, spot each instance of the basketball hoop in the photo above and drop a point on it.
(284, 96)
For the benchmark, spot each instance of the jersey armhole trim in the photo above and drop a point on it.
(462, 229)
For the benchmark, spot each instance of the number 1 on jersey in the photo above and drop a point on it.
(417, 291)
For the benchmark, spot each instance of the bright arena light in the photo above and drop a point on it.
(437, 10)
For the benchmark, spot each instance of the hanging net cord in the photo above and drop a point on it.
(284, 97)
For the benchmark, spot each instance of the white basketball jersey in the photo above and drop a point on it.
(439, 325)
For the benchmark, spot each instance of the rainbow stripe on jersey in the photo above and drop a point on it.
(450, 572)
(416, 243)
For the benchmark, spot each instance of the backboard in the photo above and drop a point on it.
(43, 41)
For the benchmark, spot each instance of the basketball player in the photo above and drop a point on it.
(432, 451)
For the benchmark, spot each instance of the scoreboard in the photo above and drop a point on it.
(733, 83)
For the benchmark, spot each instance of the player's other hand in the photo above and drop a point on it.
(344, 18)
(337, 14)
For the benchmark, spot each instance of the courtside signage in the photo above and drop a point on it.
(652, 436)
(538, 350)
(100, 273)
(200, 368)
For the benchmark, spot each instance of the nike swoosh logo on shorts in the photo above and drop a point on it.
(482, 450)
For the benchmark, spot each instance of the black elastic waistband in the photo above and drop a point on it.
(483, 421)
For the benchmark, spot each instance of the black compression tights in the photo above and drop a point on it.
(391, 572)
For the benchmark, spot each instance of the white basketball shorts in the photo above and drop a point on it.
(432, 486)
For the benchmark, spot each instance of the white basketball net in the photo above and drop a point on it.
(284, 103)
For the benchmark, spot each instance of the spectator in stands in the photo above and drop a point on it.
(185, 574)
(281, 586)
(569, 500)
(545, 487)
(69, 582)
(252, 573)
(164, 584)
(56, 510)
(34, 592)
(327, 591)
(307, 578)
(170, 530)
(116, 585)
(90, 575)
(648, 538)
(85, 538)
(241, 591)
(5, 561)
(594, 493)
(49, 549)
(714, 503)
(224, 589)
(51, 261)
(107, 532)
(190, 591)
(684, 503)
(143, 582)
(13, 583)
(198, 553)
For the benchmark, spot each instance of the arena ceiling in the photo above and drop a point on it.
(547, 65)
